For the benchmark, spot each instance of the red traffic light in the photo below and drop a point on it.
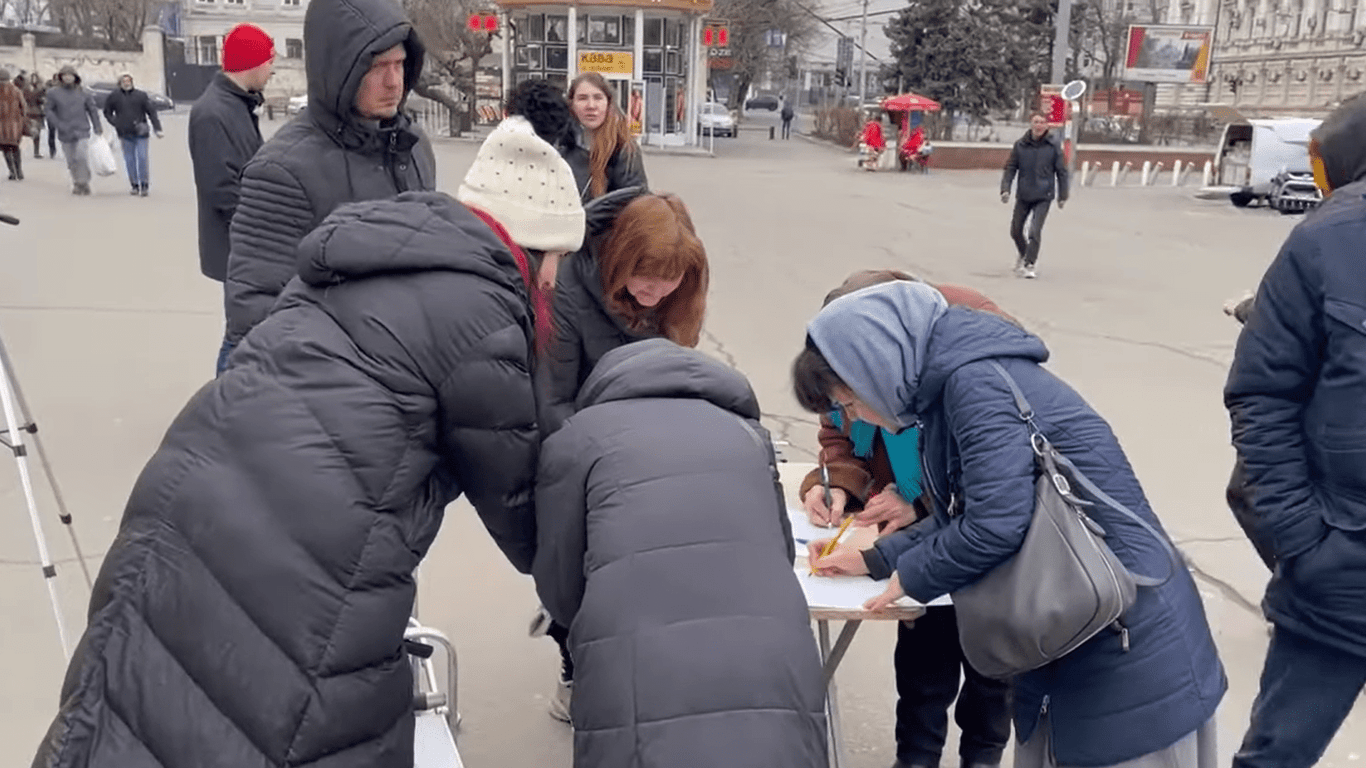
(476, 22)
(1057, 109)
(490, 23)
(723, 37)
(706, 36)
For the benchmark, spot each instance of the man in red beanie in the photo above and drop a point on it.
(223, 136)
(352, 143)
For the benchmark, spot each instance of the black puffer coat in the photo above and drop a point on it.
(585, 328)
(626, 168)
(1041, 167)
(251, 610)
(664, 545)
(325, 157)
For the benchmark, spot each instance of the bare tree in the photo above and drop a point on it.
(119, 23)
(453, 53)
(754, 26)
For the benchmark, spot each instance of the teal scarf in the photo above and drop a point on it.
(903, 451)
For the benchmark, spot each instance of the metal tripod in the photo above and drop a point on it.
(19, 433)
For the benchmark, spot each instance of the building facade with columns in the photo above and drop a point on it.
(651, 54)
(1275, 57)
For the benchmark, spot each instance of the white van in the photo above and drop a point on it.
(1263, 160)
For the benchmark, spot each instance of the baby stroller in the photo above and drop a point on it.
(438, 718)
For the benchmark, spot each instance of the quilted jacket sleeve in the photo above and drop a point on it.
(1012, 166)
(273, 215)
(998, 488)
(561, 523)
(1275, 369)
(488, 423)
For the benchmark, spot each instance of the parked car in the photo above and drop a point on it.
(102, 90)
(296, 104)
(763, 102)
(715, 119)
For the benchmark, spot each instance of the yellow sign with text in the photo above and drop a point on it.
(607, 62)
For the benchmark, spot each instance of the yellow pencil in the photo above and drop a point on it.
(830, 546)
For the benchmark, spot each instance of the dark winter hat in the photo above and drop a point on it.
(544, 105)
(246, 47)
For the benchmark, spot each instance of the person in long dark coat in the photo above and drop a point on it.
(664, 545)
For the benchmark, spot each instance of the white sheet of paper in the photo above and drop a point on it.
(844, 592)
(804, 532)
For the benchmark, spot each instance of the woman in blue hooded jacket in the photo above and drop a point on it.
(897, 356)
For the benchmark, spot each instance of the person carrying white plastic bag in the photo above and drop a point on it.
(101, 156)
(71, 113)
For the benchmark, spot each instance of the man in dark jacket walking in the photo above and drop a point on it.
(251, 610)
(353, 142)
(1296, 394)
(224, 134)
(71, 116)
(664, 544)
(130, 111)
(1038, 161)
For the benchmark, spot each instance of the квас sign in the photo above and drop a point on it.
(607, 62)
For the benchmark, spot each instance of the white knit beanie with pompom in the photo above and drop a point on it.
(523, 182)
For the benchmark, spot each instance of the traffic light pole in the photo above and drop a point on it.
(863, 58)
(1061, 36)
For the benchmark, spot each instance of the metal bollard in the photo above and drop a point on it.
(1147, 169)
(770, 133)
(1114, 174)
(1209, 174)
(1152, 177)
(1176, 174)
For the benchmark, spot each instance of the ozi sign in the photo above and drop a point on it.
(607, 62)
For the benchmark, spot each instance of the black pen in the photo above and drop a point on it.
(825, 482)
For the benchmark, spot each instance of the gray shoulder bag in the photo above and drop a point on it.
(1064, 585)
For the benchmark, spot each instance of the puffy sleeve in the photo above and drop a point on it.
(997, 483)
(1275, 368)
(561, 522)
(273, 215)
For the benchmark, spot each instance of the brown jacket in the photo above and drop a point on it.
(13, 115)
(865, 479)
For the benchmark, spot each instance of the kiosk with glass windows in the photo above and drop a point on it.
(651, 55)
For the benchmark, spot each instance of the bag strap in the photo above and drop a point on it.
(1049, 454)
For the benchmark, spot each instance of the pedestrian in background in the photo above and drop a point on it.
(71, 112)
(34, 88)
(130, 111)
(1295, 395)
(13, 125)
(787, 115)
(353, 142)
(52, 83)
(1038, 168)
(224, 135)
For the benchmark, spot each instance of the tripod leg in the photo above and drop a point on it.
(7, 371)
(16, 444)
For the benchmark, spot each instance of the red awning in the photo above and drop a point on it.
(909, 102)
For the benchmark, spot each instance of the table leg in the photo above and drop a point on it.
(830, 658)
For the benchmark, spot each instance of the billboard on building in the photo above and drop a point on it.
(1168, 54)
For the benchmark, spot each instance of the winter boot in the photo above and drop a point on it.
(9, 164)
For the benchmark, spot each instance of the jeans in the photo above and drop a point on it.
(223, 352)
(51, 139)
(1307, 690)
(77, 161)
(1037, 212)
(135, 160)
(928, 659)
(787, 129)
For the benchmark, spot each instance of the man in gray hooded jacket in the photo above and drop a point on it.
(352, 143)
(71, 113)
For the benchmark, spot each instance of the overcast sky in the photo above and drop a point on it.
(823, 49)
